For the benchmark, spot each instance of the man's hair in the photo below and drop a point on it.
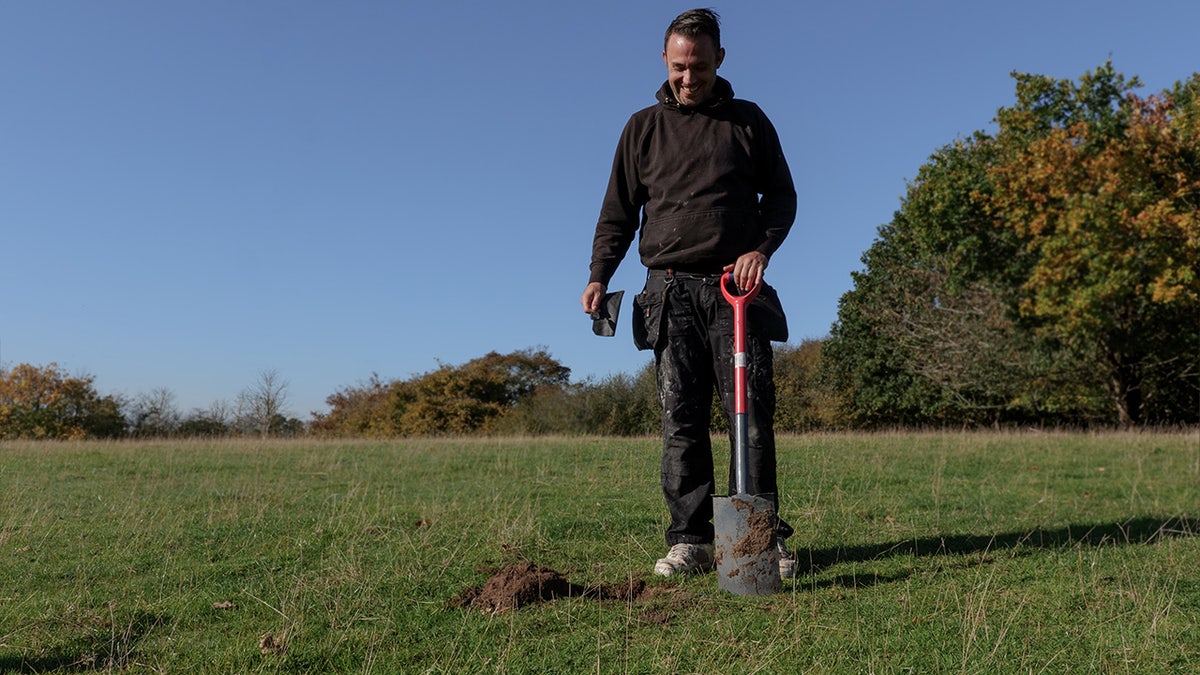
(694, 23)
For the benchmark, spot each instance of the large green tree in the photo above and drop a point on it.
(1031, 271)
(1104, 201)
(928, 334)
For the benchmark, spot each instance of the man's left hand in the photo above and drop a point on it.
(748, 270)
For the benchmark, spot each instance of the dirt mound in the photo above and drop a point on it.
(526, 583)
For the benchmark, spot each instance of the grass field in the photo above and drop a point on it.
(926, 553)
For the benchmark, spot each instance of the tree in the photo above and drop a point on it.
(44, 402)
(153, 414)
(471, 397)
(361, 410)
(1030, 273)
(924, 333)
(865, 369)
(615, 405)
(263, 404)
(803, 405)
(211, 423)
(1105, 203)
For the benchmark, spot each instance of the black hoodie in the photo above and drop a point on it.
(690, 179)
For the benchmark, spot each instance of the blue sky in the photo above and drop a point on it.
(193, 193)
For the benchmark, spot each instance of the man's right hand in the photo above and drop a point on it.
(593, 295)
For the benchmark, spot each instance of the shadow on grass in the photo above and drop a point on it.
(1143, 530)
(105, 646)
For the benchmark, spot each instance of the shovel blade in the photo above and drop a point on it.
(747, 558)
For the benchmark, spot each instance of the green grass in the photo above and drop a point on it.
(927, 553)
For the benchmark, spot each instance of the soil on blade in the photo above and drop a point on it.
(526, 583)
(761, 535)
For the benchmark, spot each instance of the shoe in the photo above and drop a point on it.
(685, 559)
(788, 565)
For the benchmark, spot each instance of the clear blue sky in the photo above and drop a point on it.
(195, 192)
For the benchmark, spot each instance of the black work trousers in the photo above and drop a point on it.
(693, 354)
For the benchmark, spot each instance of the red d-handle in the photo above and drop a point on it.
(733, 299)
(739, 302)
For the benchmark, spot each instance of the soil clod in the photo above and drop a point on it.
(527, 583)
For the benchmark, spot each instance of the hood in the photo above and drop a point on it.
(722, 92)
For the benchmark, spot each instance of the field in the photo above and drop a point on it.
(925, 553)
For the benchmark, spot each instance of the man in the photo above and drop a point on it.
(688, 174)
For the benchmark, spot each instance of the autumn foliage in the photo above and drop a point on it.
(46, 403)
(1034, 272)
(1107, 211)
(470, 398)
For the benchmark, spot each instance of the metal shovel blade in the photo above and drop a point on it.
(747, 558)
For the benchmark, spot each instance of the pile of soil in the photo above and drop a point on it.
(526, 583)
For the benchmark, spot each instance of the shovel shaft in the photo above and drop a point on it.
(741, 444)
(741, 455)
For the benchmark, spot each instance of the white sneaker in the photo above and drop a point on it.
(685, 559)
(788, 565)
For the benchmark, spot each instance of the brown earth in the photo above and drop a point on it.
(761, 535)
(526, 583)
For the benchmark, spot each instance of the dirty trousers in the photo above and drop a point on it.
(692, 356)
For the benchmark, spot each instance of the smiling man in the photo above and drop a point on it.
(692, 64)
(702, 177)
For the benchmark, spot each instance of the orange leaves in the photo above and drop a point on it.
(44, 402)
(1109, 212)
(32, 387)
(460, 399)
(1080, 215)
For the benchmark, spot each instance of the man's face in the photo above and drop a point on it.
(692, 67)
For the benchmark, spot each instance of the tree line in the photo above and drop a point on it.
(1047, 273)
(45, 402)
(525, 392)
(528, 392)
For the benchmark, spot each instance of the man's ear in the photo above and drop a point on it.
(720, 56)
